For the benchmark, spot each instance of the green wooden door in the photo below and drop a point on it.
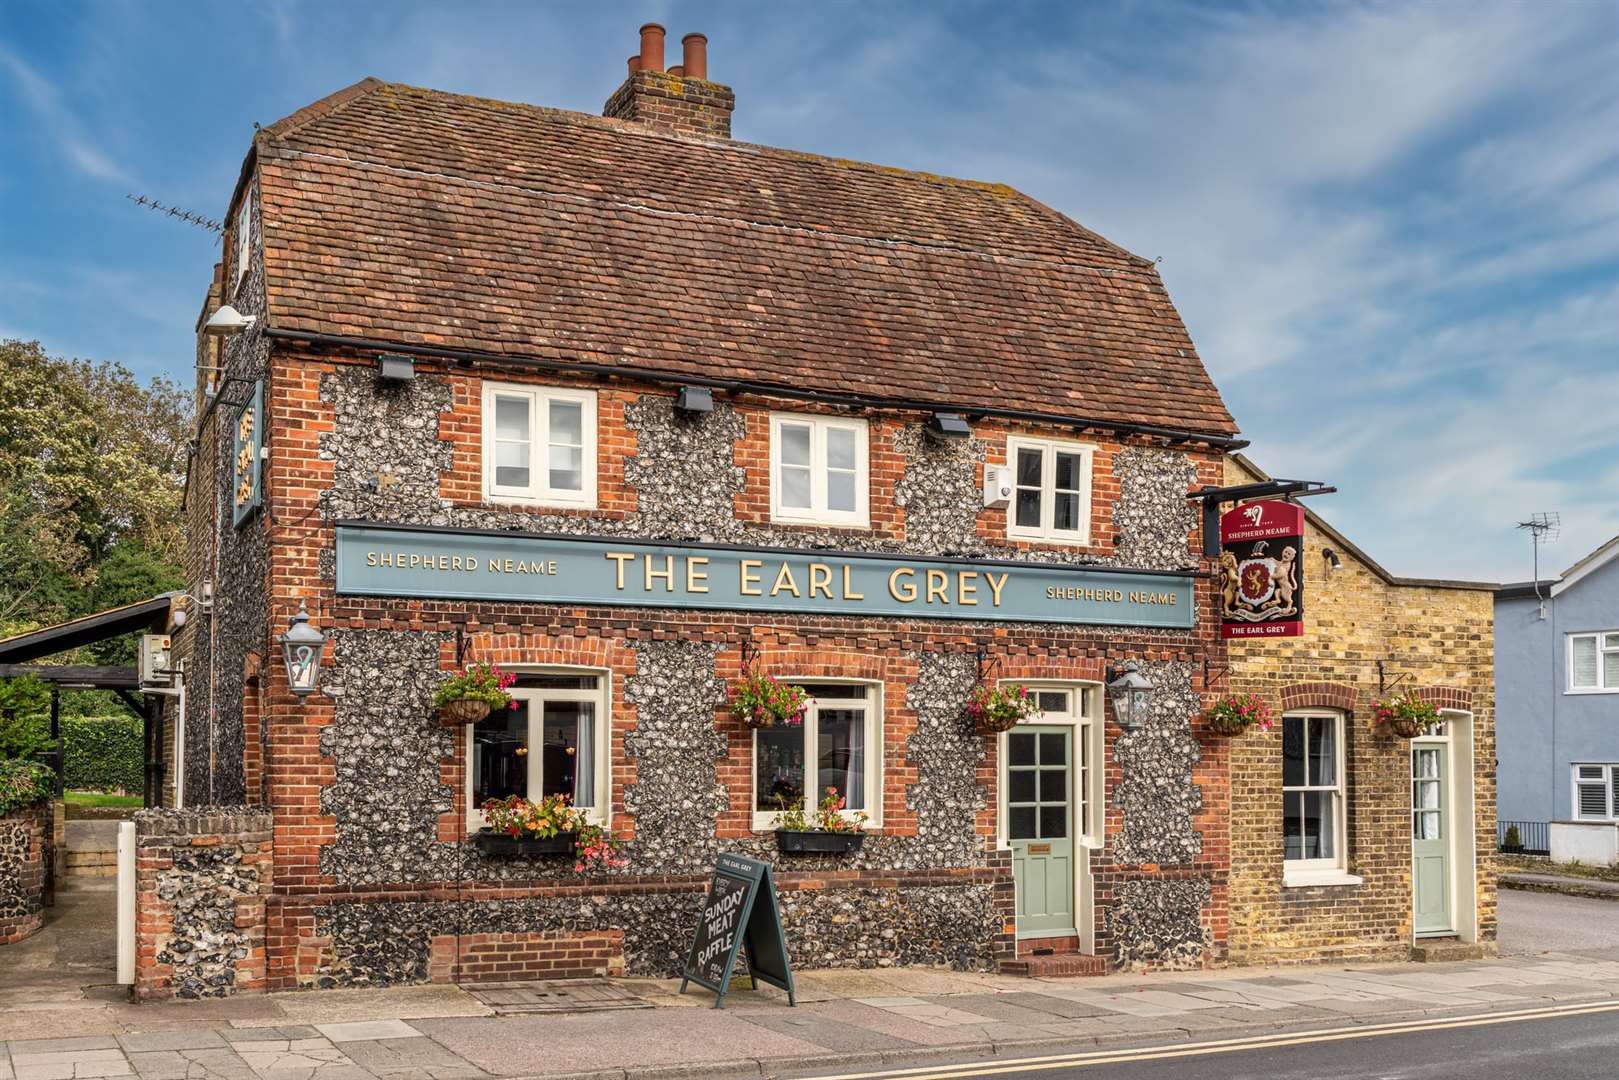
(1430, 839)
(1039, 824)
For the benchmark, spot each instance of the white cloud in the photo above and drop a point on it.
(58, 122)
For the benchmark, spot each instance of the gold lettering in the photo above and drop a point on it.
(387, 560)
(551, 567)
(938, 585)
(784, 580)
(967, 588)
(696, 579)
(995, 587)
(906, 593)
(750, 582)
(455, 562)
(471, 564)
(370, 558)
(848, 585)
(620, 557)
(667, 573)
(820, 578)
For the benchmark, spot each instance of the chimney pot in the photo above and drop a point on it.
(677, 71)
(694, 58)
(635, 63)
(651, 47)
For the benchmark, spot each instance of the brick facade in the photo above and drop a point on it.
(1433, 639)
(24, 840)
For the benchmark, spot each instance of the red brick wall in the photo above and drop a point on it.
(486, 958)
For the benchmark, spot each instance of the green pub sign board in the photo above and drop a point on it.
(739, 912)
(383, 560)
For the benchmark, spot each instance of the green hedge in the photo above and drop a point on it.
(104, 753)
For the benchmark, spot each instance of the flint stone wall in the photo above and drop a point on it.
(23, 842)
(202, 876)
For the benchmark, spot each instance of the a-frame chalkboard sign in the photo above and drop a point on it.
(739, 911)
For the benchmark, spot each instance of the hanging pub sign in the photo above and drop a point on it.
(739, 912)
(1262, 570)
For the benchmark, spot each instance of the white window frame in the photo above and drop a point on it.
(1090, 782)
(1298, 873)
(765, 820)
(817, 512)
(539, 490)
(1046, 531)
(243, 238)
(1610, 776)
(1607, 642)
(535, 696)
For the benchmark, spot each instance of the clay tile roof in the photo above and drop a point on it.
(419, 217)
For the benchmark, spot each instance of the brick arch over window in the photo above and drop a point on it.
(1445, 697)
(1318, 695)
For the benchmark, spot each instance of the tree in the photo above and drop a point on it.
(91, 463)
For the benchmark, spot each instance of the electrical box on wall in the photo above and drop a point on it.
(997, 485)
(154, 666)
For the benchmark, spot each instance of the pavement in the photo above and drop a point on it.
(845, 1020)
(1567, 884)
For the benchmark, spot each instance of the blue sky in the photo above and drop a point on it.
(1393, 229)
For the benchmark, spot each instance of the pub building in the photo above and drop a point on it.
(632, 409)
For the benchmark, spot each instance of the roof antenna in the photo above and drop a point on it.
(1543, 529)
(186, 216)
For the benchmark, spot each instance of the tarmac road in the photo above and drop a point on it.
(1533, 922)
(1565, 1043)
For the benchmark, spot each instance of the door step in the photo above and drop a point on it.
(1055, 965)
(1441, 950)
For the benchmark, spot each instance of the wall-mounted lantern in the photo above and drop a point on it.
(1131, 694)
(302, 646)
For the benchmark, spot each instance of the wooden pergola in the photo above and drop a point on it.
(145, 616)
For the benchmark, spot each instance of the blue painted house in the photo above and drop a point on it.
(1557, 697)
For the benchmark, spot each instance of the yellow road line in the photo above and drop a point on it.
(1225, 1046)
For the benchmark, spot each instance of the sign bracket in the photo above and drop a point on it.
(1213, 498)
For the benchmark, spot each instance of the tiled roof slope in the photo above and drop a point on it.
(424, 218)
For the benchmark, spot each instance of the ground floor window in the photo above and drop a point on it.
(1312, 791)
(1596, 792)
(836, 747)
(554, 742)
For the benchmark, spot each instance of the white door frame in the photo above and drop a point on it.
(1087, 722)
(1461, 821)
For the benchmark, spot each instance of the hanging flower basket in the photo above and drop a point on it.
(994, 709)
(1405, 717)
(462, 711)
(764, 701)
(1236, 713)
(468, 696)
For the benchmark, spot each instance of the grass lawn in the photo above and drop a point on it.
(101, 798)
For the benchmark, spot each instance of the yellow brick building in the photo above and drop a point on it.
(1324, 811)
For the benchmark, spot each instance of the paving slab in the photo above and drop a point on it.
(367, 1030)
(826, 1032)
(137, 1042)
(593, 1041)
(418, 1058)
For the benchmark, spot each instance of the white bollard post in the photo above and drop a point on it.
(126, 902)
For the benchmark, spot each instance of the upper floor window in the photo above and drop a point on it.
(818, 470)
(243, 239)
(1596, 792)
(837, 747)
(1052, 496)
(539, 444)
(1313, 792)
(1593, 662)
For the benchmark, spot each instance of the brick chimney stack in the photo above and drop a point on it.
(679, 100)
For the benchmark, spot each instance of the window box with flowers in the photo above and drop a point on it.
(1236, 713)
(1406, 716)
(764, 701)
(827, 831)
(994, 709)
(469, 696)
(551, 826)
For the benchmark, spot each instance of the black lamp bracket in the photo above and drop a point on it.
(750, 655)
